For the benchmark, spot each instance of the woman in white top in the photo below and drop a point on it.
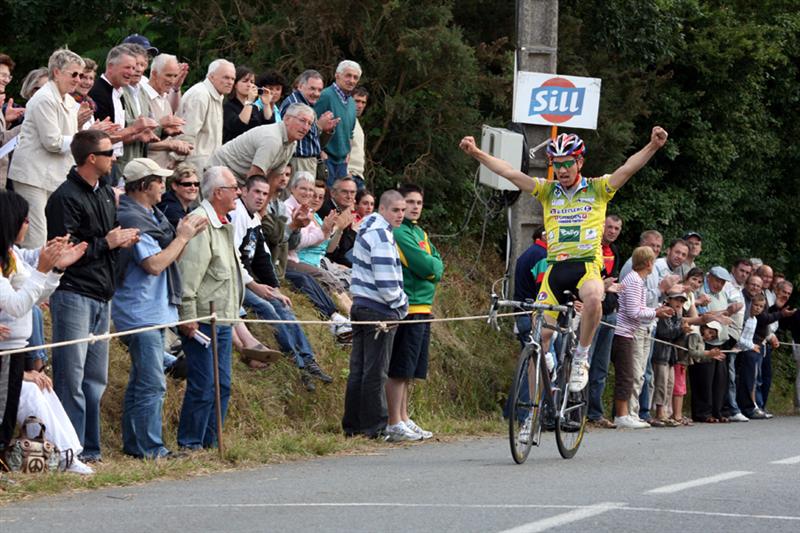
(42, 158)
(302, 192)
(26, 278)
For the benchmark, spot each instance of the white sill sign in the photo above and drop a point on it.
(554, 100)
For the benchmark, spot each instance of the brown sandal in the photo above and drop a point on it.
(710, 420)
(686, 421)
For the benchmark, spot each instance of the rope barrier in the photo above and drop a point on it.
(92, 338)
(383, 325)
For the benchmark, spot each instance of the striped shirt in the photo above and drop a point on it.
(633, 310)
(308, 146)
(377, 276)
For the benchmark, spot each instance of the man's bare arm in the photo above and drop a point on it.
(620, 177)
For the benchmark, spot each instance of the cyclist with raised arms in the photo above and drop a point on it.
(574, 211)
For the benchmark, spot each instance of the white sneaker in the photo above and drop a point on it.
(525, 431)
(418, 430)
(79, 467)
(628, 422)
(739, 417)
(401, 433)
(579, 376)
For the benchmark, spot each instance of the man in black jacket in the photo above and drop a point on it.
(84, 207)
(601, 347)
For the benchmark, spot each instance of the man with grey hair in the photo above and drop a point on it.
(201, 108)
(309, 88)
(108, 93)
(338, 99)
(263, 149)
(158, 89)
(211, 272)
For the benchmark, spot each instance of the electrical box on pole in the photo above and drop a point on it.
(502, 144)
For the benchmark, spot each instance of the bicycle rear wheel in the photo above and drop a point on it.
(524, 420)
(570, 426)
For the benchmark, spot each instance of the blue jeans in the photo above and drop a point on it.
(335, 170)
(144, 397)
(80, 371)
(306, 284)
(731, 407)
(197, 427)
(599, 356)
(36, 339)
(290, 337)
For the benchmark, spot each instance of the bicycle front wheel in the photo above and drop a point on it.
(572, 414)
(524, 418)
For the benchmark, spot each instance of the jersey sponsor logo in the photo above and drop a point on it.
(569, 234)
(587, 199)
(558, 202)
(591, 234)
(562, 257)
(572, 219)
(542, 296)
(585, 247)
(551, 235)
(557, 100)
(570, 210)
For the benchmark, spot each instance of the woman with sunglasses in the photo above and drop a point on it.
(42, 158)
(183, 194)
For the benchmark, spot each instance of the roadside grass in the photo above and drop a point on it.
(272, 419)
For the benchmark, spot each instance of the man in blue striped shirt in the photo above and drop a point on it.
(377, 288)
(309, 88)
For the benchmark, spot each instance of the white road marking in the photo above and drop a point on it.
(711, 513)
(677, 487)
(565, 518)
(788, 461)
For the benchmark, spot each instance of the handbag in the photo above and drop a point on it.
(34, 455)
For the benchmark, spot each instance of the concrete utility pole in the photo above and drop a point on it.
(537, 47)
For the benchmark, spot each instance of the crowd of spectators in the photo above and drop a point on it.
(131, 204)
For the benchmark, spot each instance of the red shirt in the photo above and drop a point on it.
(608, 258)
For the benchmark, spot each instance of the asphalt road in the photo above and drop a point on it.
(733, 477)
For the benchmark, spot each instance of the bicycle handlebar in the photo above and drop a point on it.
(526, 305)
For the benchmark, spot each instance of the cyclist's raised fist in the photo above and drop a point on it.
(659, 136)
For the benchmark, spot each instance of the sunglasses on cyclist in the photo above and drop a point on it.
(563, 164)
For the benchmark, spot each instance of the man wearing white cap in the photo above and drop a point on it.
(727, 301)
(148, 294)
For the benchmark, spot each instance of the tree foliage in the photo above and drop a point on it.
(720, 76)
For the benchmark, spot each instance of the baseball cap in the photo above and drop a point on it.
(720, 273)
(141, 167)
(676, 293)
(142, 41)
(716, 326)
(692, 234)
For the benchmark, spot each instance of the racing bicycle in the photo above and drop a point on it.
(540, 398)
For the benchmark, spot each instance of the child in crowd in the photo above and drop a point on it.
(669, 329)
